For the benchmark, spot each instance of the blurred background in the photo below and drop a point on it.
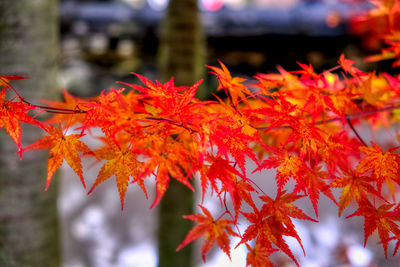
(104, 40)
(101, 42)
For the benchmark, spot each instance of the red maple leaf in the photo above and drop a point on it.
(259, 255)
(378, 218)
(268, 231)
(212, 230)
(11, 114)
(282, 210)
(6, 79)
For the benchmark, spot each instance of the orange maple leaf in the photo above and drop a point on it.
(234, 85)
(167, 158)
(347, 66)
(213, 230)
(384, 165)
(355, 187)
(122, 162)
(62, 147)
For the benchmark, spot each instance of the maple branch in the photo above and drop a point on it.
(52, 109)
(226, 208)
(58, 110)
(355, 132)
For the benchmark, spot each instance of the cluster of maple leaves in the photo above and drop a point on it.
(300, 123)
(381, 24)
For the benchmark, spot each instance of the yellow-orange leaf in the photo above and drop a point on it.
(61, 147)
(384, 165)
(122, 163)
(233, 85)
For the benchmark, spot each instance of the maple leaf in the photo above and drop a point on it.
(378, 218)
(11, 114)
(5, 80)
(278, 112)
(236, 142)
(268, 231)
(279, 80)
(309, 136)
(259, 255)
(237, 90)
(290, 166)
(105, 112)
(384, 165)
(167, 99)
(375, 90)
(167, 158)
(239, 190)
(221, 169)
(312, 183)
(347, 66)
(212, 230)
(61, 147)
(282, 210)
(121, 162)
(338, 151)
(355, 187)
(307, 71)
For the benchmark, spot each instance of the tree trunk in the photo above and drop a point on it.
(182, 45)
(181, 53)
(29, 234)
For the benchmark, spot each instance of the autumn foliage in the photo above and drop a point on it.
(300, 123)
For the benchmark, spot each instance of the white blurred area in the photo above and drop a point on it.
(214, 5)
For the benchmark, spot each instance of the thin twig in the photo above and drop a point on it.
(355, 132)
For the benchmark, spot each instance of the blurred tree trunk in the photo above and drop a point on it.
(182, 56)
(29, 234)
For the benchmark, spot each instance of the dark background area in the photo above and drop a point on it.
(113, 38)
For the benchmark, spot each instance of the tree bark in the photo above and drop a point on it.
(29, 234)
(182, 46)
(182, 56)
